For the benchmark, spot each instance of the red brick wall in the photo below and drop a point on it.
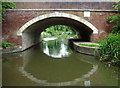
(16, 19)
(65, 5)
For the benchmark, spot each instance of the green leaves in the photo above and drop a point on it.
(115, 19)
(117, 7)
(58, 30)
(7, 5)
(6, 44)
(90, 45)
(110, 48)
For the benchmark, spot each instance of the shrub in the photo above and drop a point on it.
(110, 48)
(115, 19)
(6, 44)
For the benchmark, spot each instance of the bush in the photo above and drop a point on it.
(6, 44)
(115, 19)
(110, 48)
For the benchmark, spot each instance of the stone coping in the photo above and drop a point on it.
(61, 0)
(11, 50)
(91, 10)
(91, 43)
(85, 49)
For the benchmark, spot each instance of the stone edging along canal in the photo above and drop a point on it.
(11, 50)
(85, 49)
(75, 44)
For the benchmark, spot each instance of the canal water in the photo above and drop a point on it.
(53, 63)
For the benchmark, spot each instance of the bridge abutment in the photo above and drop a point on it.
(29, 40)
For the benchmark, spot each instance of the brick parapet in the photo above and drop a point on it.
(66, 5)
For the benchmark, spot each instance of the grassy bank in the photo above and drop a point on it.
(90, 45)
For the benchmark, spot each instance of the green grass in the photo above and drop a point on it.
(90, 45)
(99, 42)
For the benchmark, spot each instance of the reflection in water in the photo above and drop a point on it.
(61, 52)
(75, 81)
(87, 83)
(58, 74)
(51, 38)
(46, 50)
(37, 66)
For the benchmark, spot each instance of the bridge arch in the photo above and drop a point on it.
(31, 31)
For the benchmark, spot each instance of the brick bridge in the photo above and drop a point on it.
(23, 25)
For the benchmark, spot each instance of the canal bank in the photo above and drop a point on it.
(73, 43)
(76, 44)
(11, 50)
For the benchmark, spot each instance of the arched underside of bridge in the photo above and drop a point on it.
(31, 31)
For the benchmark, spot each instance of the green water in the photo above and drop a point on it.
(53, 63)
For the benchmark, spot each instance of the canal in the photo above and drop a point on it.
(53, 63)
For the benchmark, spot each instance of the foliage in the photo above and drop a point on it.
(99, 42)
(117, 6)
(45, 34)
(90, 45)
(7, 5)
(115, 19)
(110, 48)
(6, 44)
(58, 30)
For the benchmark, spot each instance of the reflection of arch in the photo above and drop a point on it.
(75, 81)
(57, 14)
(31, 31)
(26, 71)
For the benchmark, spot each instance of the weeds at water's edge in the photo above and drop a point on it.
(109, 49)
(4, 45)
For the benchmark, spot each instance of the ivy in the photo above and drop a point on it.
(6, 44)
(117, 7)
(6, 5)
(115, 19)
